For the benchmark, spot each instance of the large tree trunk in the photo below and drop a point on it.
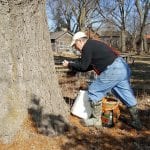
(143, 15)
(123, 41)
(145, 45)
(27, 70)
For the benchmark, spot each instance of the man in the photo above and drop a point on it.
(113, 75)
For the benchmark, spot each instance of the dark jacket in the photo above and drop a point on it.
(95, 55)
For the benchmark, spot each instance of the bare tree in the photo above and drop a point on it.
(116, 12)
(143, 8)
(74, 15)
(133, 28)
(28, 79)
(61, 13)
(84, 14)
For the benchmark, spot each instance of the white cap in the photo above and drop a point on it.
(77, 36)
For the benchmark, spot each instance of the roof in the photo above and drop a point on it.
(92, 34)
(56, 35)
(109, 33)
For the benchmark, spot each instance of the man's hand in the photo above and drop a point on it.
(65, 63)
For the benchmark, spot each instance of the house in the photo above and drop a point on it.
(112, 38)
(92, 34)
(60, 41)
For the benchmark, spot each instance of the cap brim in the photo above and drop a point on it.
(72, 43)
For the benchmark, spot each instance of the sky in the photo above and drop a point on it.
(50, 23)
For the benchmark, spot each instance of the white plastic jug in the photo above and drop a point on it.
(81, 106)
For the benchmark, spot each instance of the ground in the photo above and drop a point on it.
(121, 136)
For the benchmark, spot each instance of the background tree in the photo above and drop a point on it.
(74, 15)
(133, 28)
(84, 14)
(61, 13)
(116, 13)
(143, 8)
(28, 79)
(120, 15)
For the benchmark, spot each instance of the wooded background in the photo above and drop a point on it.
(126, 16)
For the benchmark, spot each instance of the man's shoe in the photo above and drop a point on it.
(96, 116)
(93, 122)
(136, 123)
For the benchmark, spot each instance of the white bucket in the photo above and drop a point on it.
(81, 106)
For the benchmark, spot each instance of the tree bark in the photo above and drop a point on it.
(145, 44)
(28, 77)
(143, 14)
(123, 41)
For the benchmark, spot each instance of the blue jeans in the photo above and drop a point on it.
(114, 78)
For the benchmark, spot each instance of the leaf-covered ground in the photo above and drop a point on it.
(120, 137)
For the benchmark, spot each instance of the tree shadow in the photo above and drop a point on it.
(47, 124)
(140, 77)
(140, 71)
(125, 118)
(102, 140)
(117, 138)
